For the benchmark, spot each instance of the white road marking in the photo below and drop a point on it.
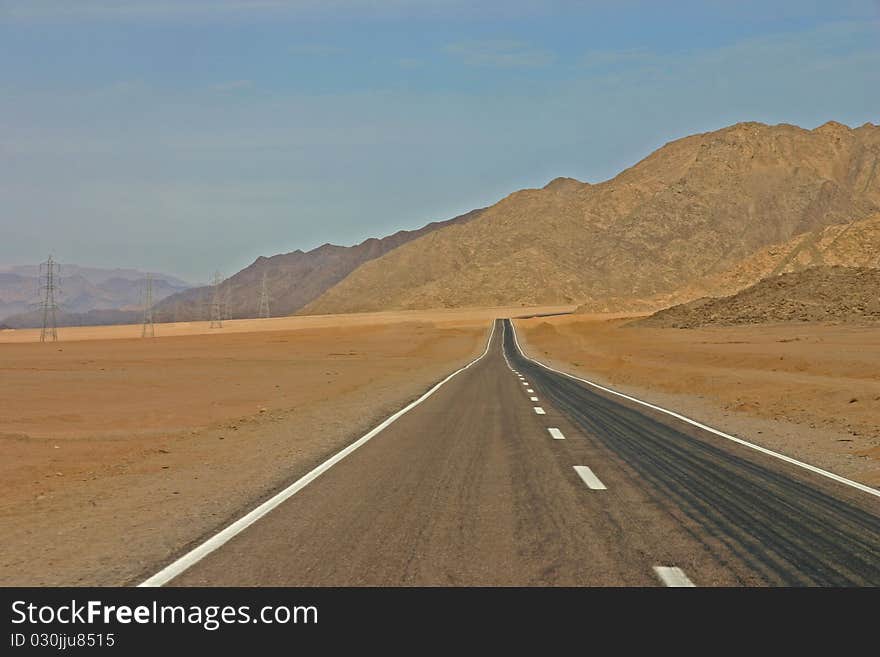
(525, 383)
(673, 576)
(217, 540)
(683, 418)
(590, 479)
(533, 399)
(539, 410)
(529, 390)
(556, 433)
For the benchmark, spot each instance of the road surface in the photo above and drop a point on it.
(512, 474)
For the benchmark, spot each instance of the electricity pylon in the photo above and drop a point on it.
(50, 275)
(216, 302)
(264, 298)
(149, 329)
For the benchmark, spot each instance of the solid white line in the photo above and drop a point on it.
(591, 480)
(556, 433)
(197, 554)
(539, 410)
(673, 576)
(678, 416)
(533, 399)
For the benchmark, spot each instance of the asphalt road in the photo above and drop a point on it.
(511, 474)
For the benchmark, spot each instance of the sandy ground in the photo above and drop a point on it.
(118, 453)
(811, 391)
(175, 329)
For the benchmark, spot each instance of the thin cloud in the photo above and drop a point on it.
(500, 53)
(410, 63)
(52, 9)
(612, 58)
(316, 50)
(232, 85)
(169, 10)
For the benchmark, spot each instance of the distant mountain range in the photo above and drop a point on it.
(293, 279)
(86, 294)
(709, 214)
(694, 209)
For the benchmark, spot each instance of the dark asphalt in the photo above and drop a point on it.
(790, 526)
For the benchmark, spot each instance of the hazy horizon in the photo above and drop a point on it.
(190, 137)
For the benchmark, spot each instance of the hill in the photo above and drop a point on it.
(824, 294)
(691, 211)
(82, 289)
(855, 244)
(293, 279)
(95, 317)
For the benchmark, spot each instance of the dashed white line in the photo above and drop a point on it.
(533, 399)
(525, 383)
(673, 576)
(539, 410)
(591, 480)
(556, 433)
(782, 457)
(529, 390)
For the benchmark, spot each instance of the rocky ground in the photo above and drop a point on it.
(816, 294)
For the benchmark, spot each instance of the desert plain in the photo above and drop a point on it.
(119, 452)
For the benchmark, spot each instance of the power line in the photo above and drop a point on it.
(149, 329)
(227, 301)
(264, 298)
(216, 302)
(50, 277)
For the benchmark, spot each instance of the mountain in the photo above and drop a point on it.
(34, 318)
(824, 293)
(81, 289)
(855, 244)
(96, 275)
(292, 279)
(692, 210)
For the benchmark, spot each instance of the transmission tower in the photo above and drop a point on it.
(264, 298)
(216, 302)
(50, 276)
(149, 329)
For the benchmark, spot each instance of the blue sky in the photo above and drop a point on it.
(186, 136)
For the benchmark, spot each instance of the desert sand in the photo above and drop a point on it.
(809, 390)
(119, 451)
(177, 329)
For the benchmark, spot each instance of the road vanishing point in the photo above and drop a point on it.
(510, 473)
